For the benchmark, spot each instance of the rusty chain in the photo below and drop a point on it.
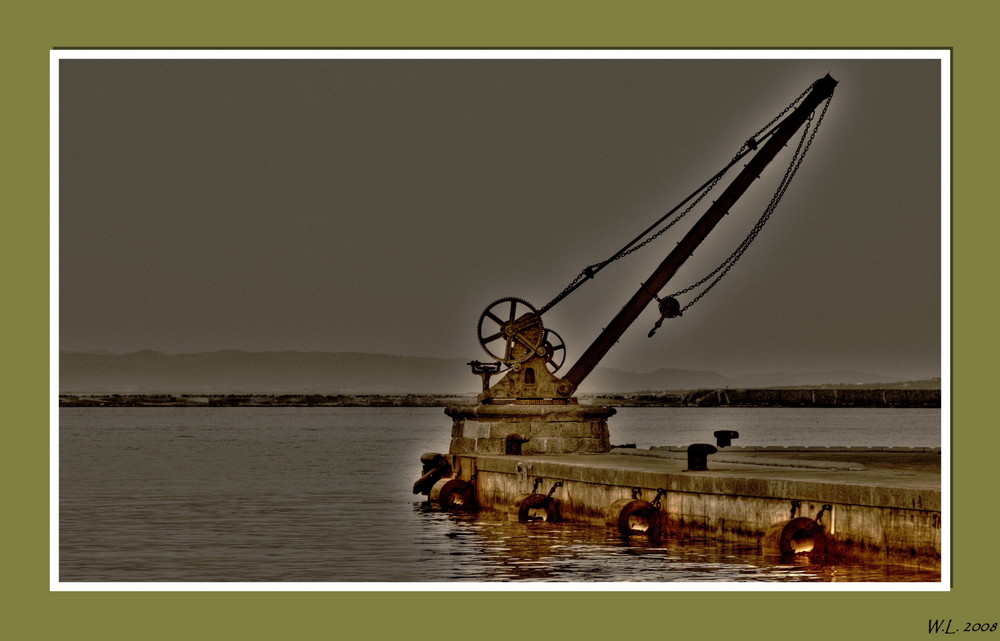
(805, 141)
(699, 194)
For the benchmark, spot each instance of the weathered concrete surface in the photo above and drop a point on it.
(529, 429)
(874, 511)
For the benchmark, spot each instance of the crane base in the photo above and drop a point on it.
(529, 429)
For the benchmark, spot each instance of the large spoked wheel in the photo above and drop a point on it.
(555, 350)
(511, 331)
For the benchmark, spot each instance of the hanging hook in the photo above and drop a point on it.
(669, 308)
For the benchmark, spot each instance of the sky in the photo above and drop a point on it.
(380, 205)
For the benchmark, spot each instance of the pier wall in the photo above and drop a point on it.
(895, 525)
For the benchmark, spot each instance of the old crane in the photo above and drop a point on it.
(531, 409)
(511, 330)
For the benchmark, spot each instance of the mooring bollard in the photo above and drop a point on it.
(724, 438)
(698, 456)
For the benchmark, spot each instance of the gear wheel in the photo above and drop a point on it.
(554, 350)
(510, 330)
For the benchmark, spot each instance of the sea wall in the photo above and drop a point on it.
(896, 525)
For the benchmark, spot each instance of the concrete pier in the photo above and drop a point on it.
(876, 504)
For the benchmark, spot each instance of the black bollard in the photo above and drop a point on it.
(724, 438)
(698, 456)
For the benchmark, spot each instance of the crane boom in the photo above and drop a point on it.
(822, 89)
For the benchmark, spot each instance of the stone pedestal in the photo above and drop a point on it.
(529, 429)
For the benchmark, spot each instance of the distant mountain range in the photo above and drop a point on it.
(234, 371)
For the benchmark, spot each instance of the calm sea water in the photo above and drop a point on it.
(324, 494)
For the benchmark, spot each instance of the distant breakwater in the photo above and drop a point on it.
(262, 400)
(808, 397)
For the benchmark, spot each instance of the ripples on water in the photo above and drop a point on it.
(511, 551)
(323, 494)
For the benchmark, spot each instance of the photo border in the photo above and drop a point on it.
(35, 29)
(58, 55)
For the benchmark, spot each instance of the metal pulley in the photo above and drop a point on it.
(669, 308)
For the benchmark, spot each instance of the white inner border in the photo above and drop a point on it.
(944, 55)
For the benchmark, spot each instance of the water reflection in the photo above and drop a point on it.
(490, 548)
(324, 495)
